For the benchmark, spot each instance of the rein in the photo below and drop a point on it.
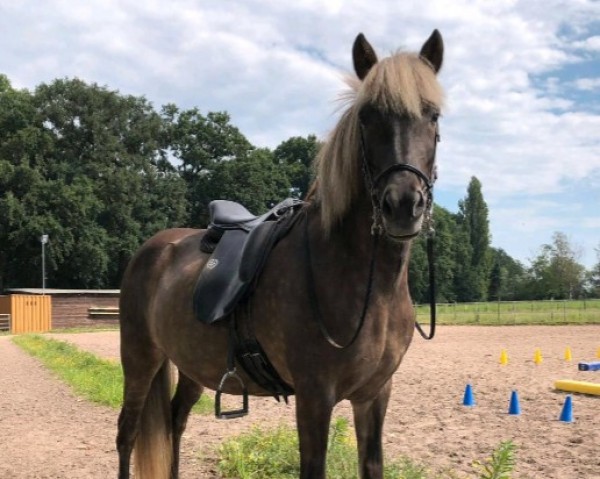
(314, 301)
(431, 267)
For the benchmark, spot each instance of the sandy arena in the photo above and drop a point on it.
(47, 432)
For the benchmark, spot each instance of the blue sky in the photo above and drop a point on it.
(522, 81)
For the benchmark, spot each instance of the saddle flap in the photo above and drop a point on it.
(256, 250)
(219, 287)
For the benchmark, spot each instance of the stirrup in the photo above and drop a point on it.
(235, 413)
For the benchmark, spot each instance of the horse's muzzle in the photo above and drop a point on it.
(402, 211)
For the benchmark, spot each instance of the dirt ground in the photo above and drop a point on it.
(47, 432)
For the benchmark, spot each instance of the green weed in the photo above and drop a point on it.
(262, 454)
(500, 465)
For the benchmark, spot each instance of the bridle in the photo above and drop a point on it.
(372, 183)
(377, 229)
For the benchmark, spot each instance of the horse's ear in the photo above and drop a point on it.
(363, 55)
(433, 51)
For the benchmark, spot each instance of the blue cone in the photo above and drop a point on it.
(468, 399)
(567, 411)
(514, 408)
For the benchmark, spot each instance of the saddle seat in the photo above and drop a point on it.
(223, 212)
(228, 215)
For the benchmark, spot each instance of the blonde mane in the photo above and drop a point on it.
(402, 83)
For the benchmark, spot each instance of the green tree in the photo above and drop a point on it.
(19, 140)
(506, 276)
(296, 155)
(114, 141)
(464, 280)
(473, 220)
(444, 260)
(593, 277)
(218, 162)
(86, 166)
(202, 147)
(555, 272)
(256, 181)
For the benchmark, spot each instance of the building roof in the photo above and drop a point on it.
(54, 292)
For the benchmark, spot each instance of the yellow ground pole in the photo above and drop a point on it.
(578, 387)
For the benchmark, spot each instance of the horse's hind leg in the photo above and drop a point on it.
(368, 422)
(138, 376)
(187, 394)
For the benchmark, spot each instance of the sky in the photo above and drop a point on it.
(522, 83)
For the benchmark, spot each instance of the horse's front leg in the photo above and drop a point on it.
(368, 421)
(313, 415)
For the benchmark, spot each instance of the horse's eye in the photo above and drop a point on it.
(368, 115)
(434, 117)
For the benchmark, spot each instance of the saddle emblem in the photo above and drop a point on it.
(212, 263)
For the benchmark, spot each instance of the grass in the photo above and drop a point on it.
(84, 329)
(264, 454)
(95, 379)
(515, 312)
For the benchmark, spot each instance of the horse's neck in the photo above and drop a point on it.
(350, 246)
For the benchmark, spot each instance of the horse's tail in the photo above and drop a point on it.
(153, 445)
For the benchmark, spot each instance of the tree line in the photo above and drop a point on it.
(100, 172)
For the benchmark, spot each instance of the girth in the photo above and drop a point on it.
(252, 358)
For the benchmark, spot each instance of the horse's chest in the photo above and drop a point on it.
(370, 368)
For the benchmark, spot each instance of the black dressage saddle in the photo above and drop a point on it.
(239, 243)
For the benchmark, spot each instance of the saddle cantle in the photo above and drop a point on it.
(240, 243)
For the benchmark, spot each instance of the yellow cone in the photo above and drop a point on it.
(503, 358)
(598, 353)
(568, 355)
(537, 357)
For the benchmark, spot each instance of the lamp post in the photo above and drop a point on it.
(44, 240)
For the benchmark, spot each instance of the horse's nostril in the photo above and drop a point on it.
(418, 205)
(388, 206)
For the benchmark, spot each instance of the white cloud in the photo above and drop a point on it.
(592, 223)
(587, 84)
(590, 44)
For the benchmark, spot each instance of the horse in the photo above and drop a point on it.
(331, 308)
